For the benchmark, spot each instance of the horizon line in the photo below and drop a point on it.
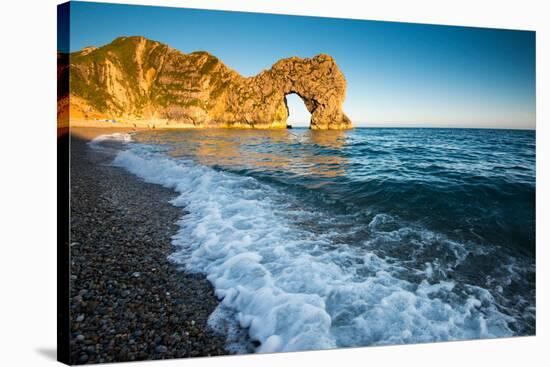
(427, 127)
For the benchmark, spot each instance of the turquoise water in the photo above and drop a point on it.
(349, 238)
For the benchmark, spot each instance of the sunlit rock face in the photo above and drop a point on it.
(318, 81)
(137, 80)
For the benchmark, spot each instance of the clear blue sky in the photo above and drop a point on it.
(398, 74)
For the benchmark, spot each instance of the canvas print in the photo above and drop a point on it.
(236, 183)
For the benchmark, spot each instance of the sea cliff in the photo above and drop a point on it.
(138, 82)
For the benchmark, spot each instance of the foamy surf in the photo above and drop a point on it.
(120, 137)
(299, 287)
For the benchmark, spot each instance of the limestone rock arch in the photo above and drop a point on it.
(317, 81)
(320, 84)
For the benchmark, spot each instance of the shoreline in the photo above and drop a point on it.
(156, 124)
(127, 301)
(160, 124)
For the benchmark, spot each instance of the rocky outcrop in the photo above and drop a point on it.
(143, 81)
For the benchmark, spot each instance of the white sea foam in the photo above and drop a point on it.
(122, 137)
(293, 287)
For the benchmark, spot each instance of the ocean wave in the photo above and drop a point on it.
(295, 284)
(96, 143)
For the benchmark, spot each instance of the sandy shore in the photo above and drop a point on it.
(158, 124)
(127, 301)
(128, 124)
(89, 133)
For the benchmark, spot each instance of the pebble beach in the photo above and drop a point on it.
(127, 301)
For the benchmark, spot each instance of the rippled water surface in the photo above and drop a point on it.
(350, 238)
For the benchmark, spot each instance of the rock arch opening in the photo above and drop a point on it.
(297, 111)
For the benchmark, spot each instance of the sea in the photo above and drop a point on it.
(371, 236)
